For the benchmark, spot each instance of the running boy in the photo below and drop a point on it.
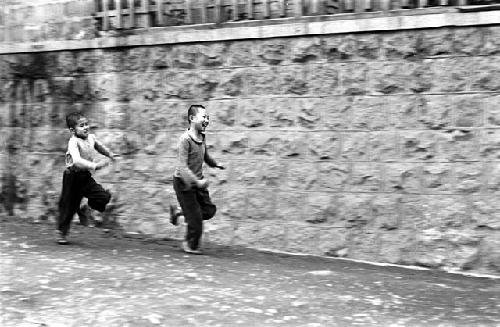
(189, 184)
(77, 178)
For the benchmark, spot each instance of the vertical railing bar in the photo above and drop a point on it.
(235, 10)
(159, 12)
(204, 11)
(131, 10)
(443, 3)
(105, 17)
(283, 4)
(298, 8)
(145, 10)
(315, 7)
(189, 12)
(462, 2)
(118, 9)
(267, 12)
(218, 11)
(250, 9)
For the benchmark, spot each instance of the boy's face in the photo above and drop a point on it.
(200, 121)
(81, 128)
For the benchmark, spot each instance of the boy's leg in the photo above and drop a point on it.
(69, 201)
(192, 213)
(208, 209)
(97, 196)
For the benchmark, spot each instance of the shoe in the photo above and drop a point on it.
(187, 249)
(175, 212)
(61, 239)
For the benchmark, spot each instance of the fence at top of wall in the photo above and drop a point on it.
(130, 14)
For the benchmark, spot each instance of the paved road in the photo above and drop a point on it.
(105, 280)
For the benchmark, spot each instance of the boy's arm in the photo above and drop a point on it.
(211, 161)
(78, 161)
(103, 149)
(182, 156)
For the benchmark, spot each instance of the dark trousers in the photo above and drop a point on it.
(75, 186)
(196, 207)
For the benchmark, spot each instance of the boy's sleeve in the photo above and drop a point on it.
(187, 175)
(75, 156)
(208, 159)
(101, 148)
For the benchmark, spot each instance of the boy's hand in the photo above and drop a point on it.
(202, 183)
(101, 164)
(220, 166)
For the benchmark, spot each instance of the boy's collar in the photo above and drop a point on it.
(195, 140)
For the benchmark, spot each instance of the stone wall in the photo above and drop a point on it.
(379, 146)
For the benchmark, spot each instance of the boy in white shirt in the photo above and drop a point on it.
(77, 178)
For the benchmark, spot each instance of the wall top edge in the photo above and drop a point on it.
(245, 31)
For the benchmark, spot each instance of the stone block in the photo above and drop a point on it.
(384, 146)
(492, 111)
(273, 52)
(291, 206)
(185, 56)
(490, 144)
(230, 83)
(332, 242)
(324, 79)
(402, 177)
(300, 175)
(220, 231)
(41, 140)
(370, 113)
(365, 177)
(354, 78)
(305, 49)
(178, 84)
(355, 146)
(294, 145)
(241, 53)
(485, 75)
(325, 145)
(400, 45)
(340, 48)
(261, 204)
(337, 112)
(263, 144)
(491, 178)
(354, 210)
(234, 143)
(436, 42)
(368, 47)
(469, 177)
(272, 173)
(302, 238)
(420, 145)
(269, 235)
(262, 81)
(164, 169)
(491, 41)
(334, 176)
(386, 212)
(438, 178)
(254, 112)
(459, 145)
(235, 202)
(388, 77)
(443, 211)
(283, 112)
(451, 74)
(411, 211)
(309, 113)
(484, 209)
(246, 174)
(397, 247)
(468, 41)
(469, 110)
(224, 114)
(363, 244)
(420, 76)
(117, 115)
(206, 84)
(292, 80)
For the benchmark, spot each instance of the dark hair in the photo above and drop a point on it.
(193, 110)
(72, 119)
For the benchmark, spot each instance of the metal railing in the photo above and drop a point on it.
(127, 14)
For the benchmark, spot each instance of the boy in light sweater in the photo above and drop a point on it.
(189, 183)
(77, 178)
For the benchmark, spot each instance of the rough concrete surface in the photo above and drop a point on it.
(107, 279)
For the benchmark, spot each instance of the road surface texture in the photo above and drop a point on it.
(106, 279)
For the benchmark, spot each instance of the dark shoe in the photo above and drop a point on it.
(175, 212)
(187, 249)
(61, 239)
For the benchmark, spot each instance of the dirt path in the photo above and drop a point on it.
(104, 280)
